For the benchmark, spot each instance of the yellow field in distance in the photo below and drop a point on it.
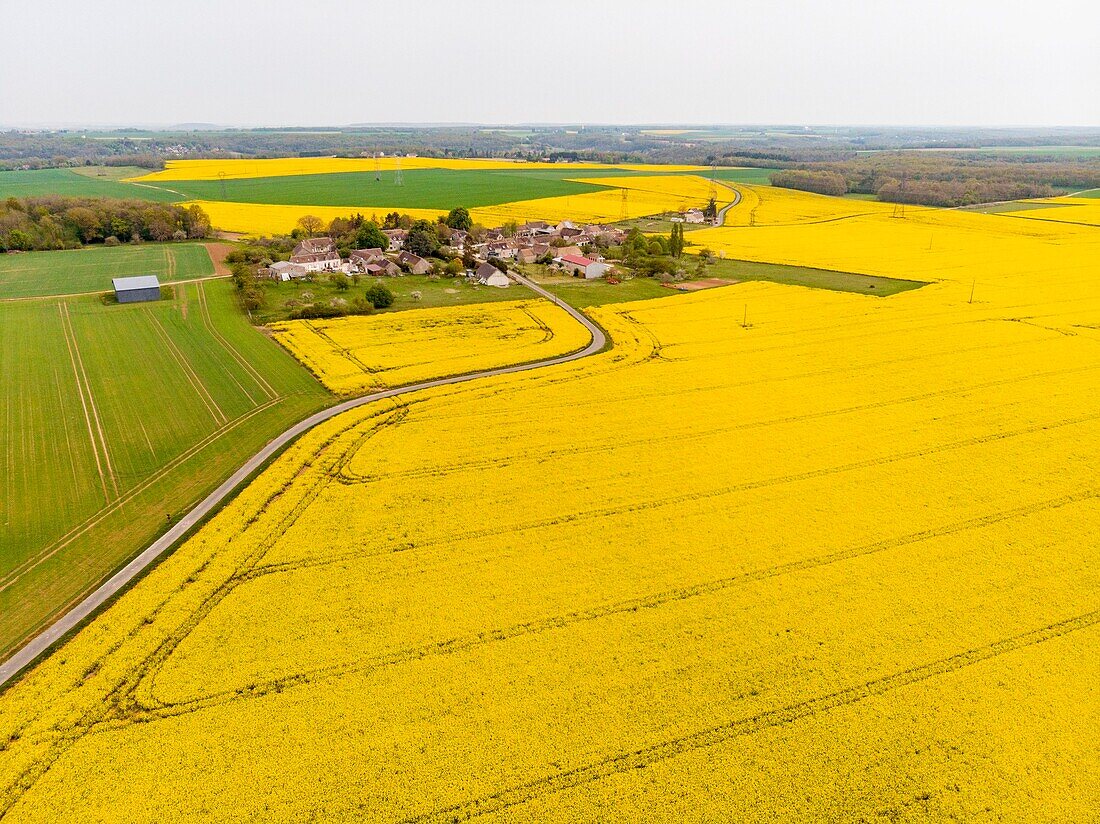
(360, 354)
(232, 169)
(1082, 210)
(646, 195)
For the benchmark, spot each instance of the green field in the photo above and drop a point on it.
(443, 291)
(112, 418)
(814, 278)
(75, 271)
(585, 293)
(420, 189)
(758, 177)
(88, 181)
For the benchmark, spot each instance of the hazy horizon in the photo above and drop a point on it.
(928, 64)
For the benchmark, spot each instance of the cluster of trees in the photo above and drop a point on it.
(656, 255)
(944, 178)
(54, 222)
(810, 180)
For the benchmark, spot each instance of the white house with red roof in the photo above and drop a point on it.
(581, 266)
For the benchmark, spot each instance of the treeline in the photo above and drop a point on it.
(808, 180)
(944, 179)
(44, 223)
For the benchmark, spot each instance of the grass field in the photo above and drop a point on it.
(87, 181)
(439, 292)
(420, 189)
(814, 278)
(113, 416)
(77, 271)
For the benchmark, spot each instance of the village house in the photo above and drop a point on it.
(488, 275)
(317, 254)
(503, 249)
(413, 263)
(382, 266)
(694, 216)
(533, 229)
(360, 258)
(457, 240)
(580, 266)
(284, 270)
(529, 254)
(561, 251)
(396, 238)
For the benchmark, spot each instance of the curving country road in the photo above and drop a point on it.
(41, 643)
(730, 205)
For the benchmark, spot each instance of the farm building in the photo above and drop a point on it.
(580, 266)
(489, 275)
(284, 270)
(414, 263)
(360, 258)
(137, 289)
(317, 254)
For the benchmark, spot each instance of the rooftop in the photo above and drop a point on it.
(139, 282)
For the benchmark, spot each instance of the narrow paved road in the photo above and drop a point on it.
(730, 205)
(41, 643)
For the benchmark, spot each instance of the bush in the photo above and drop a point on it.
(379, 296)
(111, 240)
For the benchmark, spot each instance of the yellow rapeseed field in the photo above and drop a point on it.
(646, 195)
(232, 169)
(835, 562)
(1083, 210)
(270, 219)
(360, 354)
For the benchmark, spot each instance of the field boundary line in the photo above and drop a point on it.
(103, 291)
(70, 536)
(781, 716)
(84, 404)
(44, 641)
(204, 308)
(196, 383)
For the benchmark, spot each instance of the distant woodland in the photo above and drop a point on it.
(42, 223)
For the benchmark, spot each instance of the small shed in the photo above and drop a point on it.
(138, 289)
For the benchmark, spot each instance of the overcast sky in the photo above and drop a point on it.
(330, 62)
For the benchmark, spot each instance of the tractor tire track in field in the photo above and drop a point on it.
(50, 550)
(697, 433)
(45, 640)
(205, 397)
(87, 402)
(451, 646)
(204, 306)
(629, 507)
(769, 719)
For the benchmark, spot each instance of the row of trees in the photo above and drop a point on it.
(54, 222)
(944, 179)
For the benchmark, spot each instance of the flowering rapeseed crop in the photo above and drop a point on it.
(646, 195)
(1084, 210)
(800, 555)
(360, 354)
(275, 167)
